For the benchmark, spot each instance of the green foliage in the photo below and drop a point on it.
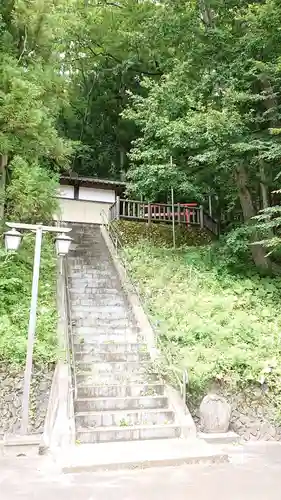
(224, 327)
(15, 291)
(31, 193)
(268, 222)
(233, 249)
(32, 84)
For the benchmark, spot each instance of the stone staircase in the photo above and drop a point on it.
(119, 398)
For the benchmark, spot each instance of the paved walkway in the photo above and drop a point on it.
(254, 473)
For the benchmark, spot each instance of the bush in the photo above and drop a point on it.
(226, 327)
(15, 292)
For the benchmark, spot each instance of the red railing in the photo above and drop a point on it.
(182, 213)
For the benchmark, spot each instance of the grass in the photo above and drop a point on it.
(224, 327)
(15, 292)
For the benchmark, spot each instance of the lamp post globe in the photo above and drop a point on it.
(12, 240)
(63, 243)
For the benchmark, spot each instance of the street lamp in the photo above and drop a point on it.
(12, 242)
(63, 243)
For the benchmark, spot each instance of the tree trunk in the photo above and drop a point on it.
(258, 252)
(3, 165)
(206, 13)
(263, 186)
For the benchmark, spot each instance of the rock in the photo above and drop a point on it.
(215, 413)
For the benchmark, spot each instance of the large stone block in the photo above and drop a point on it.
(215, 413)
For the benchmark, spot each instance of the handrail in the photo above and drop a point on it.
(115, 237)
(190, 214)
(69, 341)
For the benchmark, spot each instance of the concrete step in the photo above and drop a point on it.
(124, 418)
(127, 403)
(102, 336)
(114, 326)
(84, 273)
(98, 299)
(89, 340)
(108, 333)
(113, 367)
(111, 347)
(104, 291)
(120, 391)
(111, 357)
(88, 318)
(14, 445)
(111, 378)
(138, 432)
(101, 311)
(139, 455)
(102, 326)
(106, 282)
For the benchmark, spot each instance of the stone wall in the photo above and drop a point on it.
(11, 389)
(252, 416)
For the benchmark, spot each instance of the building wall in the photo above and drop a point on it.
(84, 204)
(82, 211)
(96, 194)
(66, 192)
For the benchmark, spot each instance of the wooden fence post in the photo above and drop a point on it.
(149, 214)
(201, 214)
(118, 207)
(179, 213)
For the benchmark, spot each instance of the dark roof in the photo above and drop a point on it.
(89, 181)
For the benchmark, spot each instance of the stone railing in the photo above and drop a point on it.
(59, 428)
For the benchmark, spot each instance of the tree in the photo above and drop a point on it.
(32, 88)
(217, 108)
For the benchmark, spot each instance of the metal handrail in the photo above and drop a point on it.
(114, 235)
(70, 342)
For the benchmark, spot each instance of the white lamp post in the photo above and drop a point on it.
(63, 243)
(12, 242)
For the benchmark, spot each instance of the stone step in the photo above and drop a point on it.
(103, 336)
(111, 347)
(83, 273)
(109, 357)
(115, 332)
(127, 403)
(98, 299)
(88, 283)
(120, 391)
(138, 432)
(108, 292)
(133, 455)
(95, 282)
(97, 313)
(102, 329)
(110, 378)
(113, 367)
(105, 328)
(103, 298)
(124, 418)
